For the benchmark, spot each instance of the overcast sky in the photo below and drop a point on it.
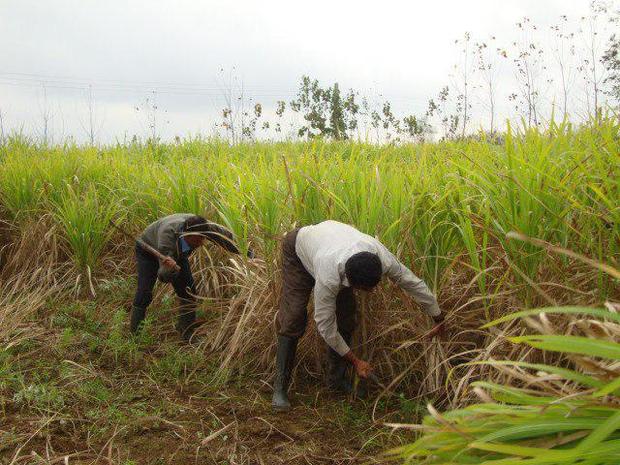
(123, 50)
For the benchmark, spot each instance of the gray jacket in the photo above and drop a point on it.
(164, 235)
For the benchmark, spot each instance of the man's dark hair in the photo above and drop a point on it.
(363, 270)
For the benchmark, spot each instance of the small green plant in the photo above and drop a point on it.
(176, 364)
(117, 290)
(354, 417)
(11, 378)
(66, 339)
(95, 390)
(122, 346)
(410, 409)
(42, 397)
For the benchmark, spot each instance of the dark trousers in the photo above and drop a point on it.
(183, 284)
(297, 286)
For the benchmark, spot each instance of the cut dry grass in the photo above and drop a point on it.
(20, 301)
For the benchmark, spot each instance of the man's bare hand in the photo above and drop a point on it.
(362, 368)
(169, 262)
(438, 330)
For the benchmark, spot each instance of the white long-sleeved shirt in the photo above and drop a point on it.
(324, 249)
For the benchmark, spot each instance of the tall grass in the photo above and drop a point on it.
(85, 221)
(443, 208)
(20, 186)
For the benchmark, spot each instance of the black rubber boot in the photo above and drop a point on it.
(285, 359)
(137, 317)
(337, 369)
(187, 318)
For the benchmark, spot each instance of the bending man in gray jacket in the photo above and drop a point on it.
(334, 259)
(175, 236)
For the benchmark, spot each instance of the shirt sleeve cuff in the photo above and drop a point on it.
(433, 310)
(342, 349)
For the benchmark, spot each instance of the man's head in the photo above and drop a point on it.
(195, 228)
(363, 270)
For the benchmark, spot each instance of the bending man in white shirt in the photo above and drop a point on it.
(334, 259)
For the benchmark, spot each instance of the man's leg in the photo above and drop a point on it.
(147, 276)
(185, 289)
(336, 365)
(292, 317)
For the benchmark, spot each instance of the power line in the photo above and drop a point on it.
(144, 90)
(238, 92)
(112, 85)
(128, 84)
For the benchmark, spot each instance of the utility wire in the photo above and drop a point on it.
(112, 85)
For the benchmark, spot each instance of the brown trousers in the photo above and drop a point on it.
(297, 285)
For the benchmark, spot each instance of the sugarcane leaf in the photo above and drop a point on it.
(522, 451)
(601, 433)
(564, 372)
(571, 345)
(513, 395)
(595, 312)
(609, 388)
(536, 427)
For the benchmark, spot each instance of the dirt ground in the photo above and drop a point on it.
(79, 391)
(224, 430)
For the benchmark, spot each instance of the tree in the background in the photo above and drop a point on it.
(241, 114)
(592, 73)
(370, 117)
(280, 108)
(611, 61)
(439, 108)
(326, 112)
(416, 129)
(336, 117)
(312, 102)
(251, 119)
(389, 127)
(389, 122)
(152, 115)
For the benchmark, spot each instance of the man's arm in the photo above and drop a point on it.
(325, 318)
(167, 241)
(166, 245)
(411, 284)
(327, 325)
